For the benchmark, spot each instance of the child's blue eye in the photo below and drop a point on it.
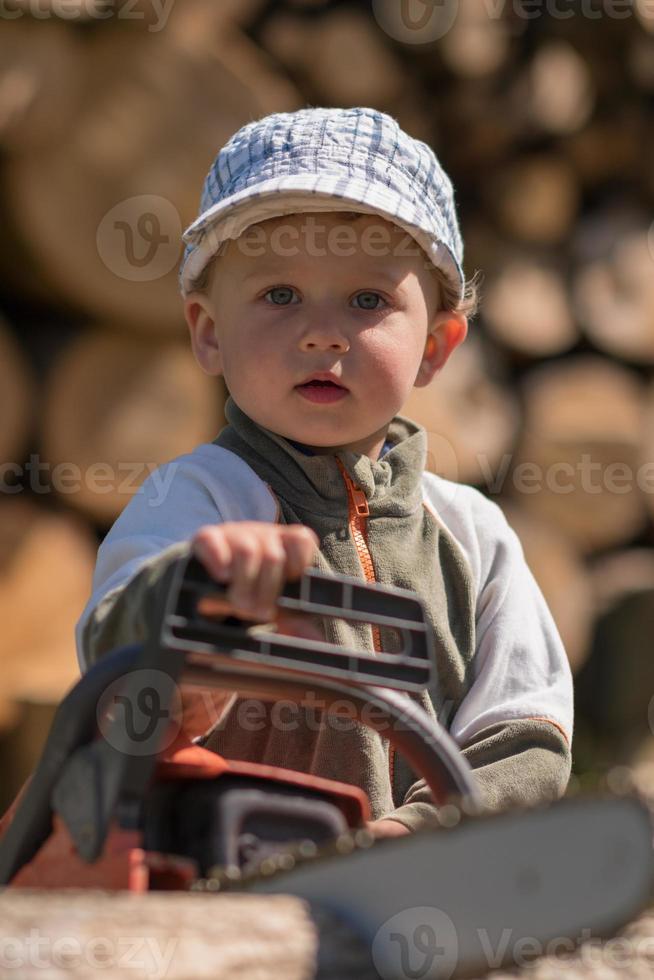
(285, 291)
(369, 294)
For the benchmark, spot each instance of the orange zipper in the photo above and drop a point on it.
(358, 511)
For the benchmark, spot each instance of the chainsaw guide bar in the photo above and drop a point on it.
(566, 870)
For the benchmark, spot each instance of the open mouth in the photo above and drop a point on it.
(322, 384)
(322, 391)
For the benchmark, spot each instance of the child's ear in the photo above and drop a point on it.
(448, 329)
(202, 328)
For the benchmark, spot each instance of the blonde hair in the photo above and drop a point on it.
(467, 306)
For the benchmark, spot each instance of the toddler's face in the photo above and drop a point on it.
(317, 293)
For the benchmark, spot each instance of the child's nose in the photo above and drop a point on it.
(326, 337)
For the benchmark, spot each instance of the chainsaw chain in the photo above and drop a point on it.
(298, 853)
(449, 815)
(222, 879)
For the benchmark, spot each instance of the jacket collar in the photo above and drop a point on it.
(392, 485)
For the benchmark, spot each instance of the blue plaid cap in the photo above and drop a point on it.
(326, 159)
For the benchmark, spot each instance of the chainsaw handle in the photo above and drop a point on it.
(187, 627)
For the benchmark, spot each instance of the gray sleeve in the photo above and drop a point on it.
(207, 486)
(522, 762)
(131, 611)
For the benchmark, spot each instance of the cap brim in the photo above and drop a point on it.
(306, 192)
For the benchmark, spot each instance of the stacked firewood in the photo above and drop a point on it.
(110, 116)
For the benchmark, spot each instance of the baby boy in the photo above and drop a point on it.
(323, 280)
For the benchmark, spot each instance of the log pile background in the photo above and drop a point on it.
(109, 121)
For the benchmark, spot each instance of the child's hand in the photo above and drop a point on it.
(255, 558)
(386, 828)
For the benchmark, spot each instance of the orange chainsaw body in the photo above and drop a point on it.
(126, 865)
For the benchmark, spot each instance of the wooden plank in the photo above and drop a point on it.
(178, 936)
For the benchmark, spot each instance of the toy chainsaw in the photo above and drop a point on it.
(114, 806)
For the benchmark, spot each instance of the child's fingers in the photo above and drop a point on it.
(284, 553)
(300, 544)
(262, 561)
(270, 580)
(386, 828)
(245, 568)
(255, 558)
(213, 549)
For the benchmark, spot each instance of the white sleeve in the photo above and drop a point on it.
(521, 670)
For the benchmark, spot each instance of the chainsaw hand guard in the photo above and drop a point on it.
(206, 640)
